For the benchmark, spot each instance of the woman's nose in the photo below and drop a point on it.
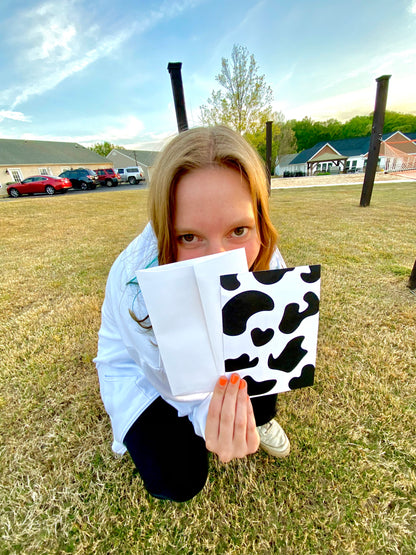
(215, 247)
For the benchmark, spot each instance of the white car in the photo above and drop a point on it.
(132, 174)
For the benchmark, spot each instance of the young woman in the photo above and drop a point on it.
(208, 194)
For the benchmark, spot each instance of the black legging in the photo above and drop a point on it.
(171, 459)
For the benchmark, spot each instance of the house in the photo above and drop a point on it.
(349, 155)
(123, 158)
(21, 158)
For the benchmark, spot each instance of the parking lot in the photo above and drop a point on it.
(101, 189)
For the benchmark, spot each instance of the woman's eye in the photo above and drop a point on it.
(187, 238)
(240, 231)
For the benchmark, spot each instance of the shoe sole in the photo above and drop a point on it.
(278, 454)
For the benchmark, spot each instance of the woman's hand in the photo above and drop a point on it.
(231, 428)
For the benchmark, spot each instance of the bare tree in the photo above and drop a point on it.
(245, 102)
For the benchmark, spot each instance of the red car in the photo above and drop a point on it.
(108, 177)
(39, 184)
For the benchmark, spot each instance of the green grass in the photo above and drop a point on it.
(349, 483)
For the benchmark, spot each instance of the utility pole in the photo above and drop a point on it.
(376, 137)
(174, 69)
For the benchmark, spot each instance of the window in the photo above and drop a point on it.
(43, 171)
(15, 174)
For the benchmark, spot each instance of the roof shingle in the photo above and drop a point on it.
(20, 152)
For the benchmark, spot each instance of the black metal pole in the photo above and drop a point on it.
(376, 136)
(269, 152)
(174, 69)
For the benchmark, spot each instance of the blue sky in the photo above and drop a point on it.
(77, 70)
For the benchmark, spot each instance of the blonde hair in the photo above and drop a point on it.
(200, 148)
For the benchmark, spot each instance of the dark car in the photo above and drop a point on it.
(108, 177)
(39, 184)
(81, 178)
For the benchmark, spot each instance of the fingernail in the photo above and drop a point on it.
(242, 384)
(234, 378)
(223, 381)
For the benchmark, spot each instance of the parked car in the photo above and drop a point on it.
(108, 177)
(81, 178)
(132, 175)
(39, 184)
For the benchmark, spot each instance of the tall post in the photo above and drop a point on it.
(269, 152)
(376, 137)
(174, 69)
(412, 278)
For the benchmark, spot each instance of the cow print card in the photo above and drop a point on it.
(270, 327)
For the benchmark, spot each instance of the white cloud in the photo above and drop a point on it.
(57, 43)
(9, 114)
(50, 43)
(50, 80)
(412, 7)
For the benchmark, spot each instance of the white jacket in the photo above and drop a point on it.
(127, 361)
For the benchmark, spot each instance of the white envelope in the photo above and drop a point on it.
(183, 300)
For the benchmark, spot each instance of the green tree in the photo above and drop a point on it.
(104, 148)
(244, 103)
(305, 133)
(396, 121)
(283, 139)
(358, 126)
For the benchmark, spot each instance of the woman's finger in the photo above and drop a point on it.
(253, 439)
(212, 426)
(228, 410)
(240, 421)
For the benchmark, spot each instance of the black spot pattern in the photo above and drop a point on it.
(240, 363)
(240, 308)
(260, 337)
(314, 274)
(230, 282)
(258, 388)
(305, 379)
(292, 318)
(290, 357)
(268, 277)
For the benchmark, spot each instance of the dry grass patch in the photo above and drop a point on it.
(349, 484)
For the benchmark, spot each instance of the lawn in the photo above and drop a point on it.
(349, 483)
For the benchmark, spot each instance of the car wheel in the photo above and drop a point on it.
(14, 193)
(49, 190)
(109, 183)
(84, 186)
(132, 180)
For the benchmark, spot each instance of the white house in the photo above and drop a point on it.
(348, 155)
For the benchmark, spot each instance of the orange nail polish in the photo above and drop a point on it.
(234, 378)
(242, 384)
(223, 381)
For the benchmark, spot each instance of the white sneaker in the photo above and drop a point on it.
(273, 439)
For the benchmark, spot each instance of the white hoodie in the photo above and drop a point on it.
(128, 361)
